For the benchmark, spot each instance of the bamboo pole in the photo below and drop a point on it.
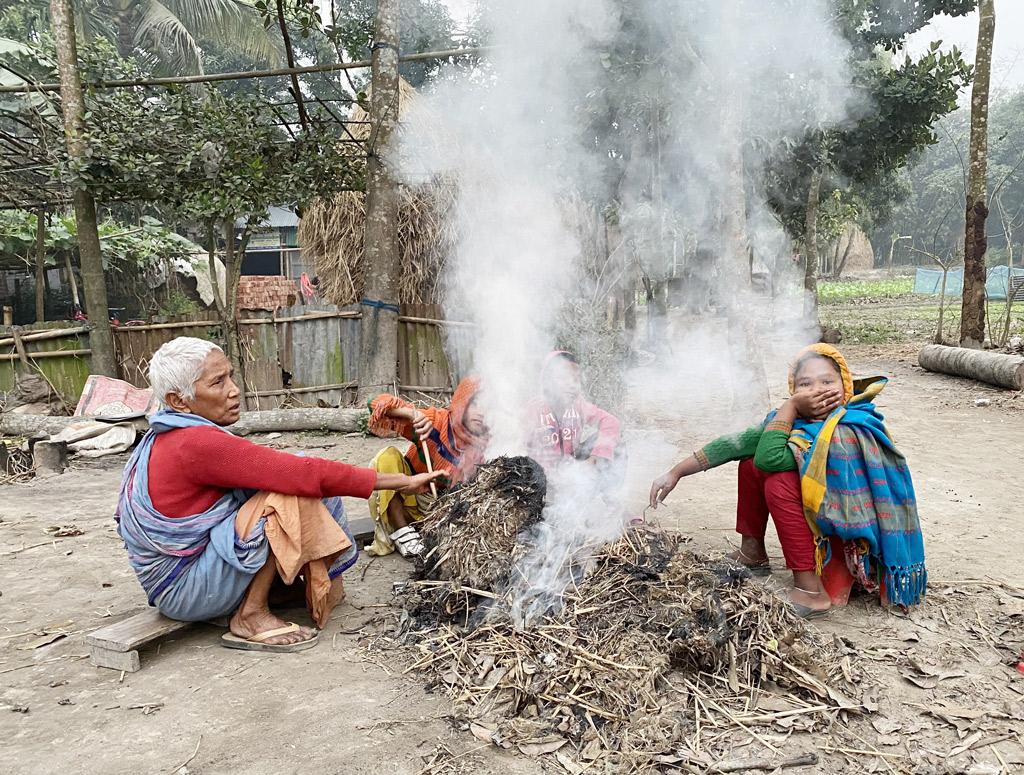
(36, 336)
(46, 354)
(359, 64)
(161, 326)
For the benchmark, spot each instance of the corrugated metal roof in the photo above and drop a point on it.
(277, 218)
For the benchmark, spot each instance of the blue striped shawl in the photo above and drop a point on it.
(868, 497)
(159, 548)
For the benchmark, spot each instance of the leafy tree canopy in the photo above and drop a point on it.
(122, 245)
(931, 209)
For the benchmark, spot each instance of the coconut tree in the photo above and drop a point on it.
(170, 32)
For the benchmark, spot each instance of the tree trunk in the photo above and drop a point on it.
(40, 265)
(942, 306)
(972, 317)
(994, 368)
(126, 35)
(290, 56)
(101, 339)
(811, 250)
(750, 383)
(378, 351)
(233, 258)
(840, 265)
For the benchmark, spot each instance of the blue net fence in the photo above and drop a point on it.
(929, 282)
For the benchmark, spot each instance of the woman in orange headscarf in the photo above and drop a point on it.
(825, 469)
(454, 438)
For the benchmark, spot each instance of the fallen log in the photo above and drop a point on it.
(281, 420)
(12, 424)
(994, 368)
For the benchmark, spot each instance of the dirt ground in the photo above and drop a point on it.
(948, 698)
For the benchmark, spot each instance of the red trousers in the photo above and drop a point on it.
(778, 494)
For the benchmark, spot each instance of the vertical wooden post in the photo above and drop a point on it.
(101, 339)
(378, 349)
(40, 265)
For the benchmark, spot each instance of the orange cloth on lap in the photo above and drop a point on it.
(304, 538)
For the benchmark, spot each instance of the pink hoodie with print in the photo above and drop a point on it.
(581, 429)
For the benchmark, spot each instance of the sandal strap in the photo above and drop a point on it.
(286, 630)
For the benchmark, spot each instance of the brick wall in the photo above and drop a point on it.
(267, 292)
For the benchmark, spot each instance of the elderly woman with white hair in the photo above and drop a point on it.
(212, 521)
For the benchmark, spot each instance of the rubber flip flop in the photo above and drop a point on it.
(256, 642)
(761, 571)
(806, 613)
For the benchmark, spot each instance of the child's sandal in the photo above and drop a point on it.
(407, 541)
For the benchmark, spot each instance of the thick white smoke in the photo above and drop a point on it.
(505, 134)
(731, 80)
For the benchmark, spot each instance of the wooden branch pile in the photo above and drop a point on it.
(657, 656)
(472, 533)
(16, 465)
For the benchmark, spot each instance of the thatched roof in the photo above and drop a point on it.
(331, 230)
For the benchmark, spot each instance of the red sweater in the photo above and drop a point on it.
(190, 469)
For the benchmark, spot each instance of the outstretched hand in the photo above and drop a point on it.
(661, 487)
(420, 483)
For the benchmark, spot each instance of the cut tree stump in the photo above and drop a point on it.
(116, 646)
(50, 457)
(994, 368)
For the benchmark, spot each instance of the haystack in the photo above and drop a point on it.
(331, 229)
(656, 656)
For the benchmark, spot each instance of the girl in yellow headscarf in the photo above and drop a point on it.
(825, 469)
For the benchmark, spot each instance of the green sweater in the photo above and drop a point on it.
(769, 448)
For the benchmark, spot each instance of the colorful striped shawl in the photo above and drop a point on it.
(856, 485)
(159, 548)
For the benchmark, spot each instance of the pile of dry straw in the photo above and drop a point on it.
(656, 657)
(331, 229)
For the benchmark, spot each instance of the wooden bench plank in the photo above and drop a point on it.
(115, 660)
(134, 631)
(362, 530)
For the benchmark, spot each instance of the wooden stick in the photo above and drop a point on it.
(741, 765)
(20, 347)
(189, 759)
(430, 466)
